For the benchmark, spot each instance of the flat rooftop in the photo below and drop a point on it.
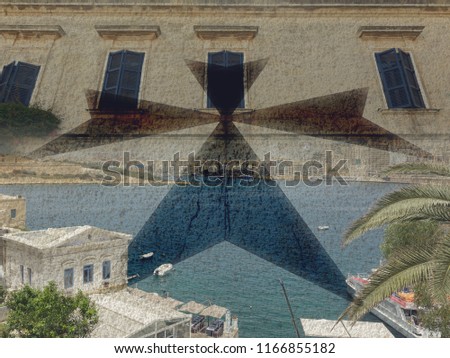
(324, 328)
(66, 236)
(130, 310)
(4, 197)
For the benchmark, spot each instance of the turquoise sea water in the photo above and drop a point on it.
(225, 274)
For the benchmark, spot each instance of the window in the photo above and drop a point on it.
(106, 270)
(17, 82)
(22, 274)
(400, 84)
(29, 275)
(88, 273)
(68, 278)
(122, 81)
(13, 213)
(225, 76)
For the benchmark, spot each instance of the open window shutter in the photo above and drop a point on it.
(394, 83)
(217, 58)
(411, 80)
(122, 80)
(130, 76)
(5, 78)
(112, 76)
(21, 84)
(235, 60)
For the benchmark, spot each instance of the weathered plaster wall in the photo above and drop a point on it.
(312, 51)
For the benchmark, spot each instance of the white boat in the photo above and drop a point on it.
(323, 227)
(132, 277)
(146, 256)
(398, 311)
(162, 270)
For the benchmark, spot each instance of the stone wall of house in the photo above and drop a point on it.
(49, 264)
(12, 212)
(312, 52)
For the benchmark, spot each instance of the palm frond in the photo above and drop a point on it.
(406, 204)
(413, 266)
(419, 168)
(440, 284)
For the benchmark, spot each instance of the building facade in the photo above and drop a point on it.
(160, 55)
(85, 258)
(12, 211)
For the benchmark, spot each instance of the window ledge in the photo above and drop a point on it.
(226, 32)
(214, 110)
(373, 32)
(32, 31)
(126, 32)
(408, 110)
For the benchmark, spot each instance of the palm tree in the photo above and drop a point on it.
(424, 263)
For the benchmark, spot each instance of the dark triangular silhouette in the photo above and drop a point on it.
(337, 117)
(227, 147)
(225, 87)
(259, 219)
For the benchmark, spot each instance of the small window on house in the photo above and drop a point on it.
(122, 81)
(22, 274)
(106, 270)
(13, 213)
(399, 79)
(225, 75)
(29, 276)
(88, 273)
(17, 82)
(68, 278)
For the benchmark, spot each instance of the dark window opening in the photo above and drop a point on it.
(400, 84)
(17, 82)
(13, 213)
(22, 274)
(106, 270)
(122, 81)
(68, 278)
(225, 75)
(88, 273)
(29, 276)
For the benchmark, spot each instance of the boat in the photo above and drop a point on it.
(398, 311)
(323, 227)
(132, 277)
(162, 270)
(146, 256)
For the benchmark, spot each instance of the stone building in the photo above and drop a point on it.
(363, 78)
(82, 257)
(12, 211)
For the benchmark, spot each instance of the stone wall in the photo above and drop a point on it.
(12, 212)
(49, 264)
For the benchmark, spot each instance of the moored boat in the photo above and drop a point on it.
(146, 256)
(162, 270)
(398, 311)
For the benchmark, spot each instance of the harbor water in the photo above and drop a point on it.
(225, 274)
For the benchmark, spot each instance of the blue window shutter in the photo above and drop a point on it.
(234, 58)
(112, 76)
(217, 58)
(394, 83)
(411, 80)
(17, 83)
(122, 80)
(5, 79)
(130, 76)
